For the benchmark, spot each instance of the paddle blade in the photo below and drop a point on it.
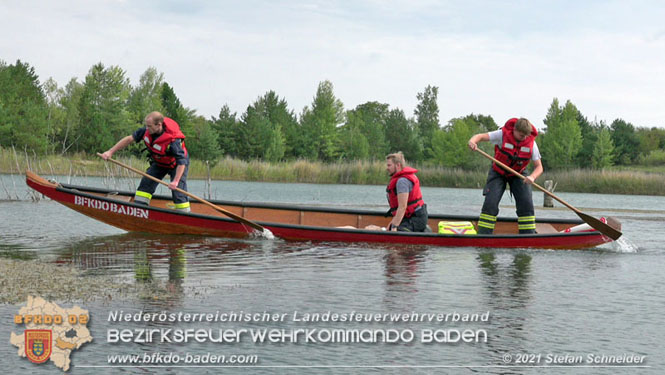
(598, 225)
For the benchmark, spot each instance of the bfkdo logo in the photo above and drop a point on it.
(51, 332)
(38, 344)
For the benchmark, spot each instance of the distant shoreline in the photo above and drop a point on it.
(614, 181)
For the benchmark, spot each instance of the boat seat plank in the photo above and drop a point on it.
(118, 197)
(545, 228)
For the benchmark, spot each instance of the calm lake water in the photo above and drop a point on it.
(543, 305)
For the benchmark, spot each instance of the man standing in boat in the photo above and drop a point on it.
(514, 145)
(166, 144)
(407, 207)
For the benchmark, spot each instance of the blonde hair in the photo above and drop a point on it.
(523, 125)
(397, 158)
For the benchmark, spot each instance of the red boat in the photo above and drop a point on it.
(301, 223)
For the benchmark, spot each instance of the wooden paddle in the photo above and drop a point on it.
(592, 221)
(225, 212)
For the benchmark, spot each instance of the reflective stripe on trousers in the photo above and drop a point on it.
(141, 197)
(486, 223)
(526, 224)
(183, 207)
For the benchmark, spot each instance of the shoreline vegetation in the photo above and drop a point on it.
(609, 181)
(270, 142)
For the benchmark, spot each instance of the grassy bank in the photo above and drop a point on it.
(617, 181)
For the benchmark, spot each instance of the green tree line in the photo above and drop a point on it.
(90, 115)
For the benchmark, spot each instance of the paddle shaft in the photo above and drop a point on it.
(593, 222)
(524, 178)
(225, 212)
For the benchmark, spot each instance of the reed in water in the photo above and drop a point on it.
(611, 181)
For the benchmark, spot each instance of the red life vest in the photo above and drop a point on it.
(415, 196)
(514, 154)
(159, 146)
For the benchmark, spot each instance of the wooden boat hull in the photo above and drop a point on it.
(294, 222)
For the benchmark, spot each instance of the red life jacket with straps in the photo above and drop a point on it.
(514, 154)
(158, 146)
(415, 196)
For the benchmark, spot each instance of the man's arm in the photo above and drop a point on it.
(179, 170)
(118, 146)
(175, 148)
(537, 171)
(402, 200)
(480, 137)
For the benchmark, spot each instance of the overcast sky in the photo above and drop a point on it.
(498, 58)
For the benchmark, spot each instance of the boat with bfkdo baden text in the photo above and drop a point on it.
(302, 223)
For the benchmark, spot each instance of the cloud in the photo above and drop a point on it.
(486, 57)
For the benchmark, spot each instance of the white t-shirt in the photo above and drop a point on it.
(496, 138)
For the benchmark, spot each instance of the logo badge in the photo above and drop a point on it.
(38, 344)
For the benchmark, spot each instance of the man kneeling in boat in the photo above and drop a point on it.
(407, 207)
(166, 144)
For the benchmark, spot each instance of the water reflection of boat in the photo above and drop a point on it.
(298, 222)
(130, 251)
